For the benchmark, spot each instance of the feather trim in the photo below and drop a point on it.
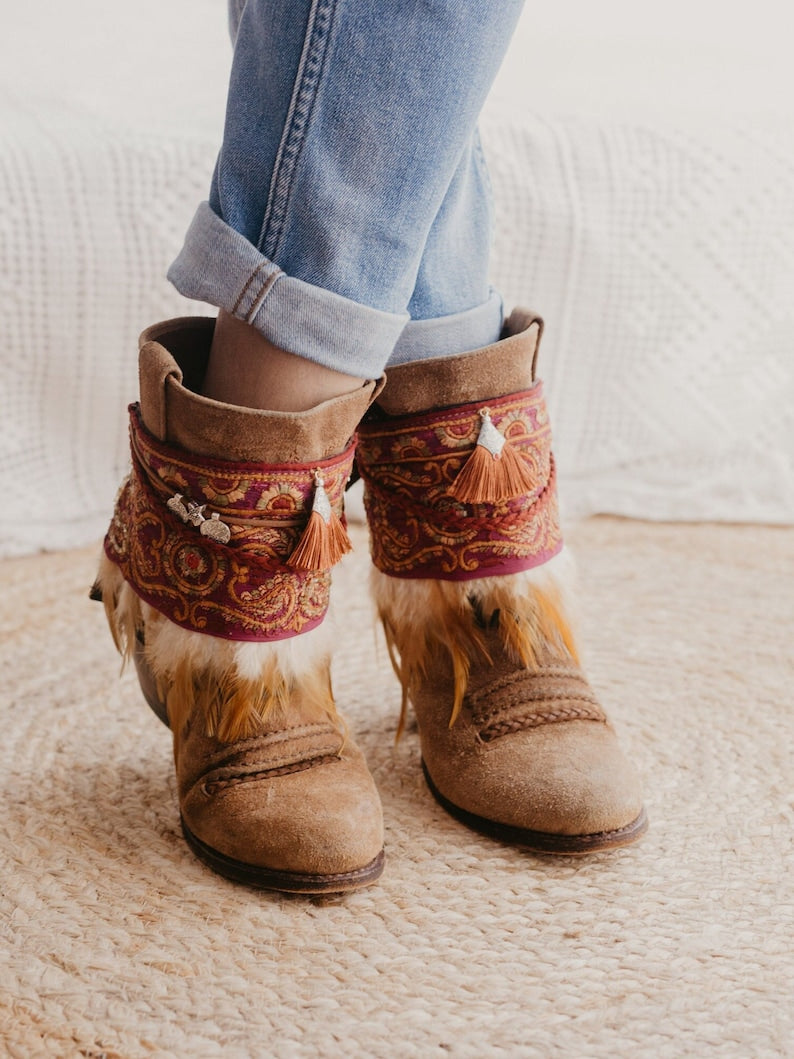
(235, 686)
(423, 618)
(122, 608)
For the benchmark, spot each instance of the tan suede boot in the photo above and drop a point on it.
(471, 585)
(215, 579)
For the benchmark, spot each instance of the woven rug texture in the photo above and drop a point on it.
(116, 942)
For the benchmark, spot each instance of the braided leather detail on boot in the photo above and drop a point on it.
(529, 698)
(274, 753)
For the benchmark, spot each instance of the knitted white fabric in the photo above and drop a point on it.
(89, 217)
(663, 260)
(661, 255)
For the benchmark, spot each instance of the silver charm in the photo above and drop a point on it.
(489, 437)
(195, 513)
(320, 503)
(215, 529)
(177, 507)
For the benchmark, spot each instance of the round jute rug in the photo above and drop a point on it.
(117, 942)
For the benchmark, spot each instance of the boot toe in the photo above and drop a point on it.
(570, 780)
(321, 825)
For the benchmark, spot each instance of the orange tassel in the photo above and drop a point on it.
(495, 471)
(325, 540)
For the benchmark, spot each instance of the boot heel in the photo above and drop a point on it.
(148, 683)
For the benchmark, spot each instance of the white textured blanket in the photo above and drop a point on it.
(659, 247)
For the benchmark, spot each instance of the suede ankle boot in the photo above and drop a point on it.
(471, 585)
(215, 579)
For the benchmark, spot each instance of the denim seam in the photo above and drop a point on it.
(307, 80)
(247, 284)
(259, 298)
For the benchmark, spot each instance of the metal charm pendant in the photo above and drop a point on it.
(489, 437)
(195, 513)
(321, 505)
(215, 529)
(176, 506)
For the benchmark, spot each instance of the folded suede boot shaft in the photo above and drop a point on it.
(209, 583)
(471, 582)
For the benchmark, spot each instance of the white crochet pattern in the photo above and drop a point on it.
(663, 261)
(661, 258)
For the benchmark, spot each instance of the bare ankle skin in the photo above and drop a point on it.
(246, 369)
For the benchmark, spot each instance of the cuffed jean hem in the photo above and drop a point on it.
(445, 336)
(219, 266)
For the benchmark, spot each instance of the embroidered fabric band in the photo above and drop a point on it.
(240, 590)
(418, 529)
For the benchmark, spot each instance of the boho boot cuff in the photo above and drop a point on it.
(237, 550)
(463, 492)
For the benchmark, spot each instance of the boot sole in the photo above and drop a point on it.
(288, 882)
(542, 841)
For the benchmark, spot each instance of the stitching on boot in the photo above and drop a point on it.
(283, 735)
(537, 720)
(230, 766)
(214, 786)
(541, 698)
(520, 676)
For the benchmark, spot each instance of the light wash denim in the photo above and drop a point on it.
(349, 214)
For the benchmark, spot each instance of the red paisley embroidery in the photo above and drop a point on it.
(418, 529)
(242, 590)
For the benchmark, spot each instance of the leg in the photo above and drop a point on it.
(471, 586)
(218, 557)
(452, 308)
(343, 147)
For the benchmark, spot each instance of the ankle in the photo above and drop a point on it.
(248, 370)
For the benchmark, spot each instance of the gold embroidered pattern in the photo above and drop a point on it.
(239, 590)
(418, 529)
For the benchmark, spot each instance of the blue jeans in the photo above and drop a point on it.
(349, 214)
